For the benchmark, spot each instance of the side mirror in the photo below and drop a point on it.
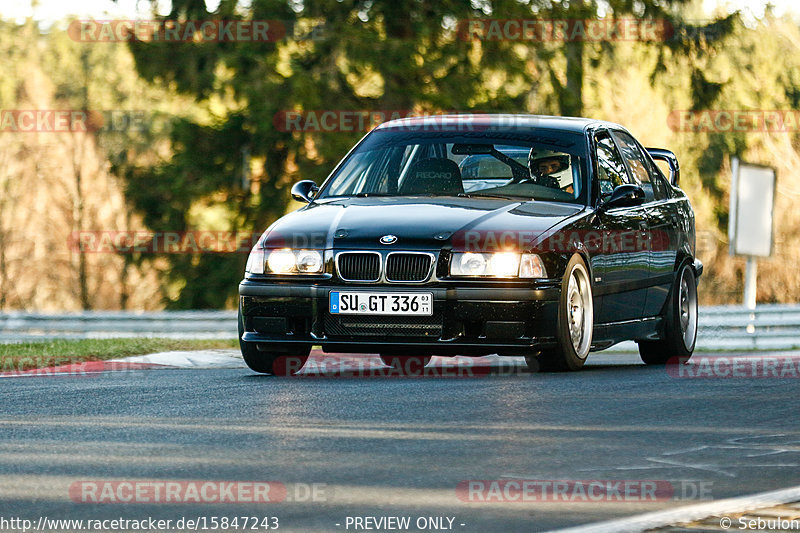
(627, 195)
(304, 191)
(659, 154)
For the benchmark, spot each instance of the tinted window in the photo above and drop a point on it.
(638, 165)
(520, 165)
(610, 168)
(559, 169)
(660, 183)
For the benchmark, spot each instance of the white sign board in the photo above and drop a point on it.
(752, 203)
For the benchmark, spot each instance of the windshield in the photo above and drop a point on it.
(538, 165)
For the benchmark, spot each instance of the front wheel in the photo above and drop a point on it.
(274, 362)
(575, 323)
(277, 361)
(680, 322)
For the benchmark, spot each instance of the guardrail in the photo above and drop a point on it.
(26, 327)
(768, 327)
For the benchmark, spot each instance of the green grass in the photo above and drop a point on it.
(30, 355)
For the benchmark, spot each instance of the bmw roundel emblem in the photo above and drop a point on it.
(388, 239)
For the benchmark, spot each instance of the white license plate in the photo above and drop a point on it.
(381, 303)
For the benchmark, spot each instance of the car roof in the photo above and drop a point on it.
(572, 124)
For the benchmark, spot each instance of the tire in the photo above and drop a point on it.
(680, 322)
(279, 362)
(575, 323)
(406, 364)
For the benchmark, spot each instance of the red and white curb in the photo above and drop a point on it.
(189, 359)
(155, 361)
(85, 368)
(318, 363)
(690, 513)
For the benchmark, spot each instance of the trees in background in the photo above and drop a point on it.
(54, 184)
(213, 154)
(343, 55)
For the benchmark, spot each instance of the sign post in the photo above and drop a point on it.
(750, 224)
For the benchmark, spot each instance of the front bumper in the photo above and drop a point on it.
(470, 320)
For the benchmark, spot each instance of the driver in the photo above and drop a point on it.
(547, 166)
(542, 169)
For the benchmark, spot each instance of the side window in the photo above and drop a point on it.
(660, 183)
(611, 169)
(638, 165)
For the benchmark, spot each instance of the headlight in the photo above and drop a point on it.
(287, 261)
(281, 261)
(500, 265)
(309, 261)
(504, 264)
(255, 261)
(468, 265)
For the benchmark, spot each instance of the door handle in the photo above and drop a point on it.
(643, 232)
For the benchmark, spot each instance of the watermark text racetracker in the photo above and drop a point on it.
(168, 30)
(598, 29)
(364, 120)
(566, 30)
(58, 366)
(72, 120)
(195, 491)
(399, 366)
(577, 491)
(744, 366)
(594, 241)
(735, 120)
(162, 242)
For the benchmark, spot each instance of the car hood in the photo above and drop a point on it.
(416, 223)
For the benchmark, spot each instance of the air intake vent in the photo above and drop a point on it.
(359, 266)
(379, 327)
(408, 267)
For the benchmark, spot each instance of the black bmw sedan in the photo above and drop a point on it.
(544, 237)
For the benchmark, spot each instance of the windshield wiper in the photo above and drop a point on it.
(370, 194)
(494, 195)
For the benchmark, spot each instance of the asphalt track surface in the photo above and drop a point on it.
(388, 446)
